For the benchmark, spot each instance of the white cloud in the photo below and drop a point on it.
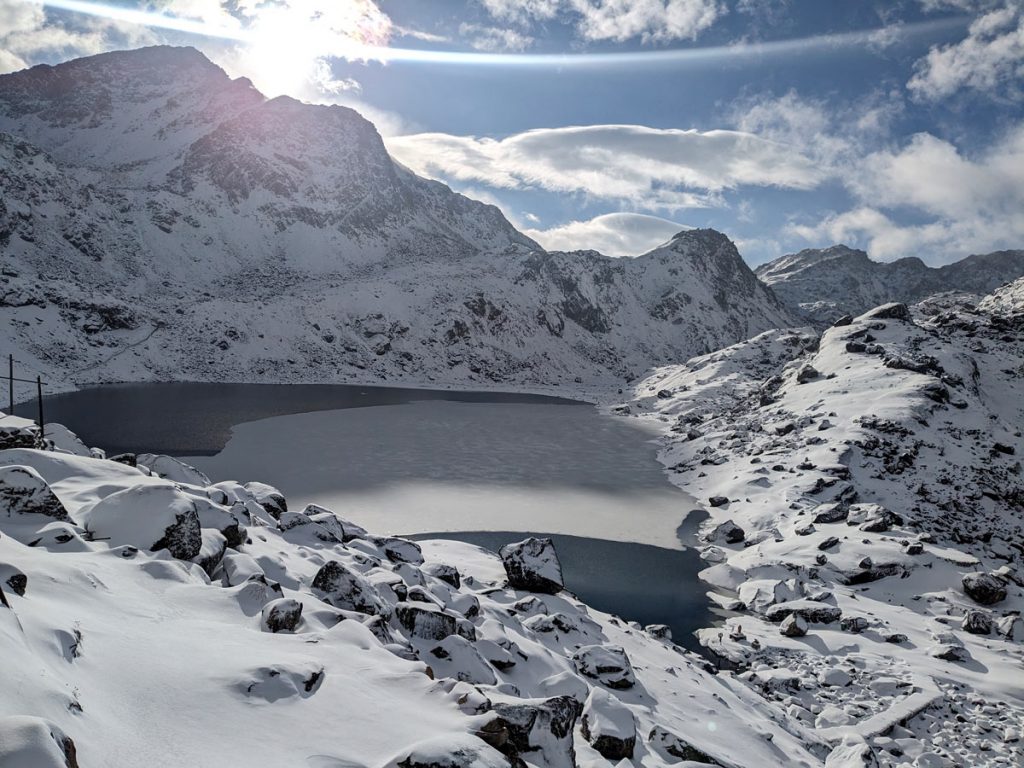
(649, 20)
(656, 168)
(613, 234)
(484, 38)
(28, 36)
(969, 205)
(990, 58)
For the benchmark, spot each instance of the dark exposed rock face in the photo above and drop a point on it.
(977, 623)
(529, 725)
(669, 743)
(184, 538)
(984, 588)
(532, 565)
(446, 573)
(608, 664)
(24, 492)
(425, 621)
(282, 615)
(609, 726)
(808, 610)
(342, 587)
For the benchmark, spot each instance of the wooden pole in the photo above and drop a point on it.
(39, 395)
(10, 381)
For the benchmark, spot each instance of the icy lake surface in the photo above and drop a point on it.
(417, 461)
(652, 585)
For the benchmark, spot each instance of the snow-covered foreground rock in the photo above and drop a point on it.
(867, 522)
(164, 622)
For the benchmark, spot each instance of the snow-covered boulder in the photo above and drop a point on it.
(446, 573)
(340, 586)
(448, 752)
(727, 532)
(16, 432)
(608, 664)
(281, 615)
(268, 497)
(457, 658)
(984, 588)
(853, 752)
(793, 626)
(31, 742)
(172, 469)
(539, 725)
(675, 748)
(23, 491)
(426, 621)
(532, 565)
(609, 726)
(809, 610)
(66, 441)
(760, 594)
(150, 517)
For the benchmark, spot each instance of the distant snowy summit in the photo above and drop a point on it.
(159, 220)
(826, 284)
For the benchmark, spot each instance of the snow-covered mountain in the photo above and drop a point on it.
(825, 284)
(160, 220)
(867, 521)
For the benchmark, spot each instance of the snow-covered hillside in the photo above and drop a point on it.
(825, 284)
(867, 521)
(150, 618)
(159, 220)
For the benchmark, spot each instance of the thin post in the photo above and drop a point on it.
(10, 382)
(39, 396)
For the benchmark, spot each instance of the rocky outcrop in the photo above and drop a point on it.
(609, 665)
(24, 492)
(532, 565)
(609, 726)
(340, 586)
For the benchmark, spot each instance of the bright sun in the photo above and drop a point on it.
(289, 43)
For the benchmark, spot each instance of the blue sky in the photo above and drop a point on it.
(897, 127)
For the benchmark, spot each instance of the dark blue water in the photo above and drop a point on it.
(195, 419)
(651, 585)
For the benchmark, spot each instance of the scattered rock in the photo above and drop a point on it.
(977, 623)
(728, 532)
(342, 587)
(609, 726)
(984, 588)
(282, 615)
(608, 664)
(808, 610)
(532, 565)
(23, 491)
(793, 626)
(426, 621)
(668, 743)
(718, 501)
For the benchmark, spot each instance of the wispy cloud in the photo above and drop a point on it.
(650, 20)
(990, 58)
(656, 168)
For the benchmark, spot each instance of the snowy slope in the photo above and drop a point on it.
(159, 220)
(279, 638)
(826, 284)
(868, 481)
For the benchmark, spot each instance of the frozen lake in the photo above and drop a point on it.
(459, 466)
(411, 462)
